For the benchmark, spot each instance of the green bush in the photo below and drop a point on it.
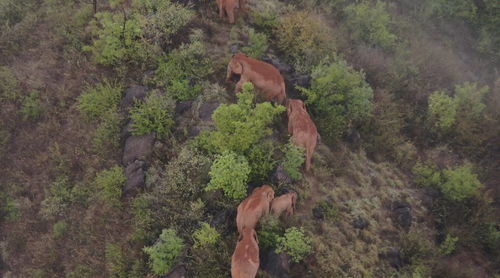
(265, 15)
(339, 96)
(205, 236)
(59, 228)
(31, 107)
(269, 231)
(111, 182)
(427, 175)
(295, 244)
(182, 70)
(449, 245)
(165, 251)
(96, 101)
(370, 23)
(304, 38)
(229, 172)
(107, 135)
(239, 126)
(62, 194)
(469, 98)
(116, 263)
(442, 110)
(294, 158)
(261, 162)
(257, 44)
(460, 182)
(153, 115)
(9, 85)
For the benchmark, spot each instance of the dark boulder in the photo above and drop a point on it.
(280, 176)
(277, 265)
(402, 214)
(393, 256)
(283, 67)
(138, 148)
(206, 109)
(178, 272)
(224, 220)
(133, 94)
(135, 177)
(183, 106)
(360, 223)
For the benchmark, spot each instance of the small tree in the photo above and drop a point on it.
(111, 183)
(294, 158)
(96, 101)
(153, 115)
(295, 244)
(165, 251)
(229, 172)
(460, 182)
(257, 44)
(442, 110)
(205, 236)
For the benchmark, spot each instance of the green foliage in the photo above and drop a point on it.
(427, 175)
(304, 38)
(416, 249)
(295, 244)
(265, 15)
(205, 236)
(9, 210)
(107, 135)
(339, 96)
(116, 263)
(229, 172)
(370, 23)
(165, 251)
(470, 104)
(449, 245)
(269, 232)
(260, 160)
(257, 44)
(164, 19)
(442, 110)
(117, 38)
(59, 228)
(96, 101)
(460, 182)
(153, 115)
(9, 85)
(294, 158)
(328, 210)
(111, 182)
(182, 70)
(62, 194)
(31, 107)
(239, 126)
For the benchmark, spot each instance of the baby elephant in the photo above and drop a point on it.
(254, 207)
(264, 77)
(228, 7)
(245, 259)
(284, 203)
(302, 128)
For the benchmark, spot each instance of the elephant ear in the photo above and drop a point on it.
(236, 66)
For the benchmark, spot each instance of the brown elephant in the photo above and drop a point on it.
(264, 77)
(228, 7)
(245, 259)
(302, 128)
(285, 202)
(254, 207)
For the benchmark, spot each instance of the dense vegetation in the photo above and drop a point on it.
(405, 178)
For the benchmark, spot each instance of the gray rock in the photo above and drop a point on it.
(360, 223)
(178, 272)
(135, 177)
(277, 265)
(138, 148)
(282, 66)
(393, 256)
(183, 106)
(206, 109)
(402, 214)
(132, 94)
(281, 176)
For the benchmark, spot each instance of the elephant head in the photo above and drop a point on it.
(284, 203)
(235, 66)
(254, 207)
(294, 105)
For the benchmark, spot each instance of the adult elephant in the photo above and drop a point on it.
(264, 76)
(228, 6)
(254, 207)
(245, 259)
(284, 203)
(302, 128)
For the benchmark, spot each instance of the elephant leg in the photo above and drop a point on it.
(242, 5)
(240, 84)
(230, 14)
(220, 4)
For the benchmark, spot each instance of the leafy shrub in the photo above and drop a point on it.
(265, 16)
(269, 231)
(257, 44)
(339, 96)
(229, 172)
(442, 110)
(205, 236)
(165, 251)
(96, 101)
(260, 159)
(31, 107)
(239, 126)
(460, 182)
(153, 115)
(304, 38)
(107, 135)
(427, 175)
(111, 182)
(469, 99)
(117, 39)
(327, 210)
(62, 194)
(116, 263)
(182, 70)
(294, 158)
(59, 228)
(370, 23)
(449, 245)
(9, 85)
(295, 244)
